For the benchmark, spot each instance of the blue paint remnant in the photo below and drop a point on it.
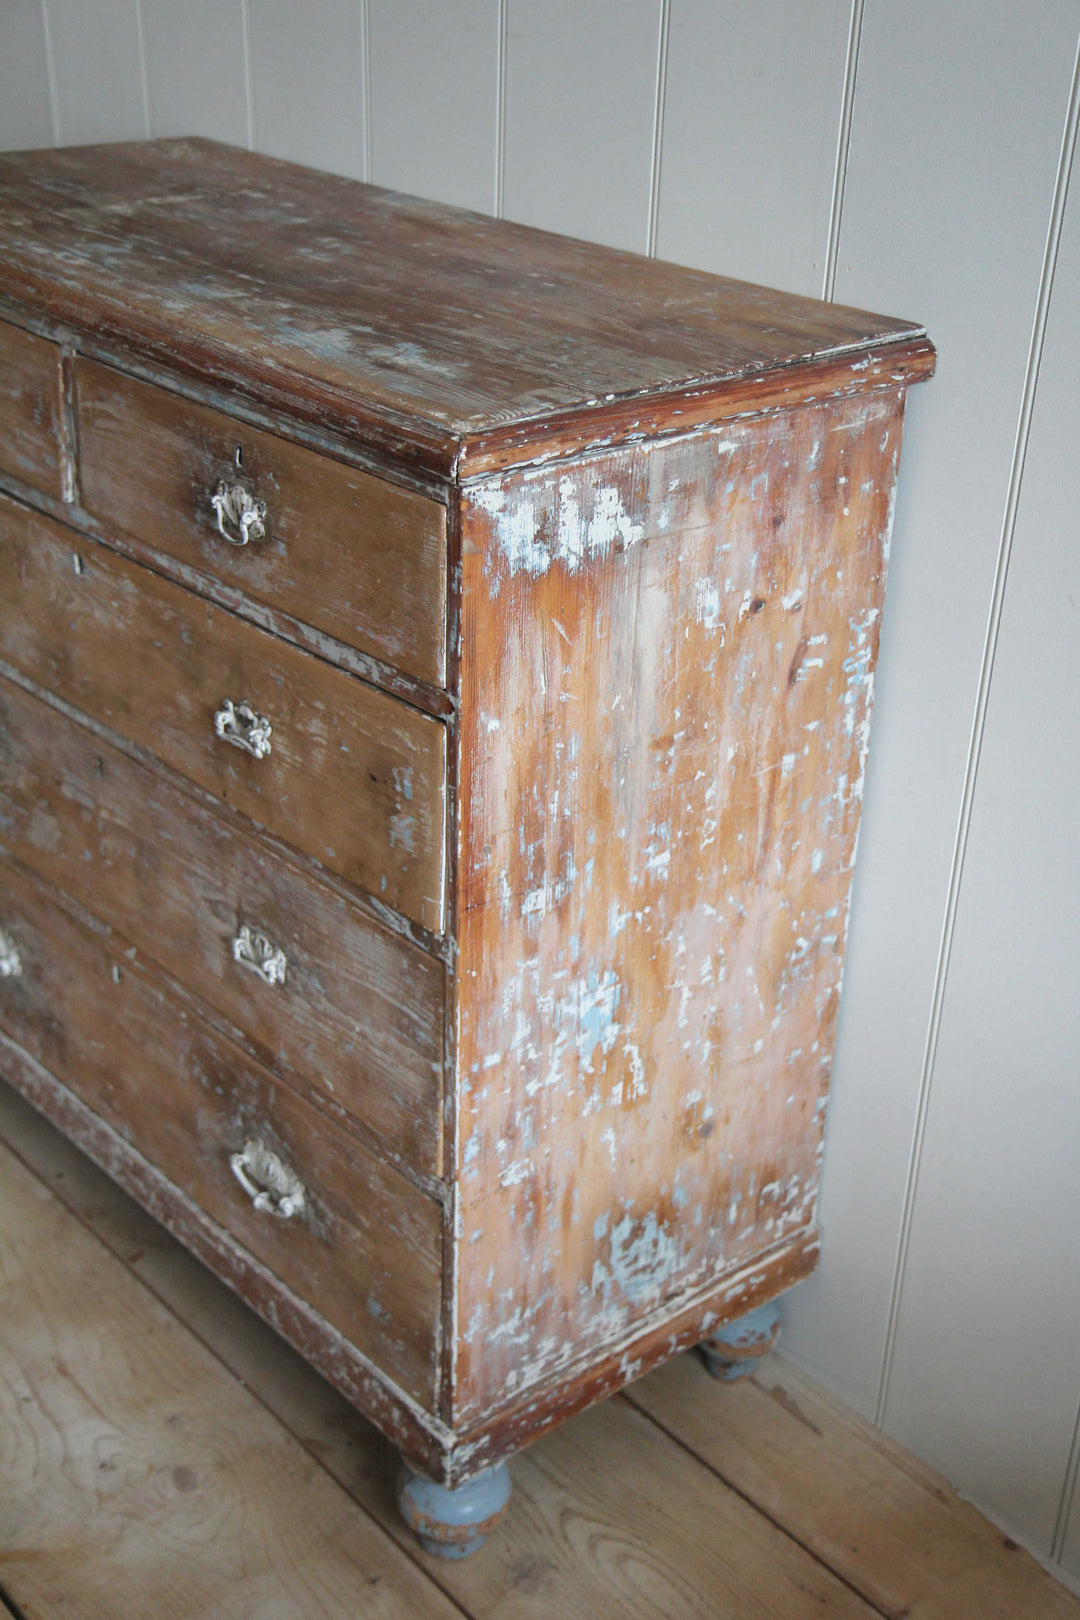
(642, 1255)
(597, 1001)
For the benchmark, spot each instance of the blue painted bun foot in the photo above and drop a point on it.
(453, 1523)
(735, 1350)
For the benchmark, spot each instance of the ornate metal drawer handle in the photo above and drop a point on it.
(240, 517)
(273, 1188)
(238, 723)
(261, 955)
(10, 961)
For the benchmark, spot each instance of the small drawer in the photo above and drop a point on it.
(30, 409)
(342, 1230)
(357, 1016)
(334, 766)
(350, 554)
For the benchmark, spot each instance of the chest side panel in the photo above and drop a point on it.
(667, 667)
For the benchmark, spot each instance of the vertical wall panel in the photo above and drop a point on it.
(754, 96)
(945, 220)
(433, 79)
(986, 1377)
(25, 108)
(99, 70)
(195, 68)
(580, 97)
(308, 64)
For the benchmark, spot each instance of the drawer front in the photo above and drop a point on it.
(358, 1241)
(352, 776)
(357, 1018)
(30, 409)
(352, 555)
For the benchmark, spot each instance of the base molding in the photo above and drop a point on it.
(684, 1323)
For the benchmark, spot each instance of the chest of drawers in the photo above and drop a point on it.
(435, 675)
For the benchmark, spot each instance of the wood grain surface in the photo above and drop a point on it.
(354, 777)
(368, 1244)
(458, 322)
(139, 1477)
(358, 1023)
(667, 667)
(30, 409)
(349, 554)
(887, 1524)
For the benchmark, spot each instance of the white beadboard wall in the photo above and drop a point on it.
(913, 158)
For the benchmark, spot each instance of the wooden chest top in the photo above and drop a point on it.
(438, 336)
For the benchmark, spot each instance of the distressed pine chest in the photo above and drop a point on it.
(435, 674)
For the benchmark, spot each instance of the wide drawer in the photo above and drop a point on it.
(351, 554)
(358, 1017)
(351, 775)
(30, 409)
(362, 1246)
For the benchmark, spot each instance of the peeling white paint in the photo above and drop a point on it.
(520, 528)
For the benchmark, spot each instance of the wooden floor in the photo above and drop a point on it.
(163, 1455)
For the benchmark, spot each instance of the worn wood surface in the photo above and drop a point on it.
(888, 1525)
(354, 777)
(458, 322)
(358, 1023)
(667, 667)
(633, 420)
(368, 1244)
(140, 1477)
(587, 1532)
(30, 409)
(348, 553)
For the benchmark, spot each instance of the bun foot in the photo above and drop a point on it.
(735, 1350)
(453, 1523)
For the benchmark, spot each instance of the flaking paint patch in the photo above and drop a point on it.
(525, 542)
(642, 1256)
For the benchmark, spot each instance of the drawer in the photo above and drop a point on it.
(363, 1247)
(353, 555)
(30, 409)
(352, 776)
(358, 1017)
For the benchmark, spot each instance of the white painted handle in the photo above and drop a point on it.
(272, 1187)
(237, 723)
(10, 961)
(240, 517)
(261, 955)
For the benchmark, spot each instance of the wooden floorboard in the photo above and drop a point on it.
(686, 1498)
(868, 1509)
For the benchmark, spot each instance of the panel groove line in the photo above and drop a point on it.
(144, 69)
(1016, 474)
(365, 58)
(54, 82)
(249, 73)
(658, 127)
(500, 111)
(1068, 1495)
(1072, 1469)
(843, 147)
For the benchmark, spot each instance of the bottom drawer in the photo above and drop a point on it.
(344, 1231)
